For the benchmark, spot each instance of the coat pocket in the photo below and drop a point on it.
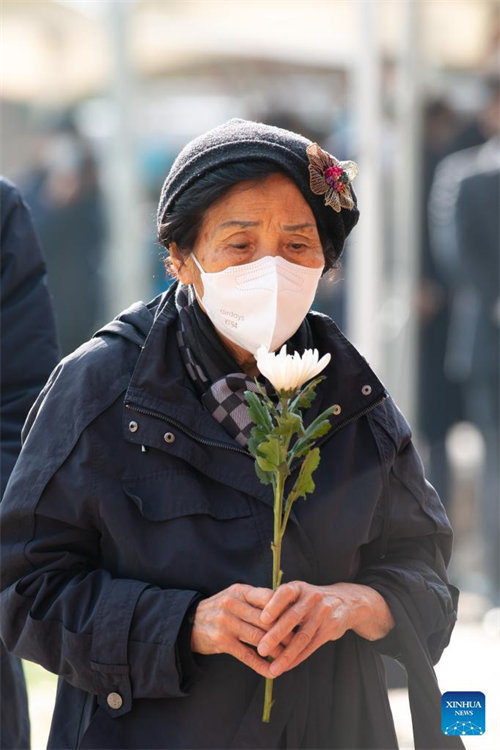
(186, 531)
(175, 493)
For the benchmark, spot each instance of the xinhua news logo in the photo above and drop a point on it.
(463, 713)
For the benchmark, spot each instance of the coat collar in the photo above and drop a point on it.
(161, 388)
(350, 383)
(160, 383)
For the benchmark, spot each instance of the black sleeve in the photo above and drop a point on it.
(411, 560)
(186, 659)
(478, 237)
(29, 349)
(407, 566)
(64, 609)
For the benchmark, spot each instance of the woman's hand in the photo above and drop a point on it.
(226, 622)
(317, 614)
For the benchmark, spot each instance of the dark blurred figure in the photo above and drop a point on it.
(464, 225)
(478, 238)
(63, 193)
(29, 352)
(440, 395)
(448, 176)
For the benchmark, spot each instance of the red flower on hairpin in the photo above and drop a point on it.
(331, 178)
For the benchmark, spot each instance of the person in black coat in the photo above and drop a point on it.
(136, 531)
(63, 194)
(464, 221)
(29, 352)
(478, 248)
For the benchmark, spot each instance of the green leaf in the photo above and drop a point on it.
(327, 412)
(289, 425)
(257, 436)
(270, 454)
(304, 483)
(262, 391)
(306, 395)
(258, 411)
(300, 449)
(318, 427)
(266, 477)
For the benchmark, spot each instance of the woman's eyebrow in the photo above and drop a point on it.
(285, 227)
(238, 223)
(295, 227)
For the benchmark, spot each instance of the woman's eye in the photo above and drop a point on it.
(297, 245)
(240, 245)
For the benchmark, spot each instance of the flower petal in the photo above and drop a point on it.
(318, 158)
(332, 199)
(325, 359)
(264, 362)
(317, 181)
(350, 168)
(289, 372)
(346, 200)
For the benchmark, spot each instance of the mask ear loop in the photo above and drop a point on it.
(198, 266)
(197, 263)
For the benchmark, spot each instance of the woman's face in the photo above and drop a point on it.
(254, 219)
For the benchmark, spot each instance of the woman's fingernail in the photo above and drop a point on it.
(265, 617)
(274, 670)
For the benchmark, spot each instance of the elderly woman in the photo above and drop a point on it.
(136, 533)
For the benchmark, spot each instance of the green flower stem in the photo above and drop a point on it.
(279, 485)
(288, 508)
(279, 531)
(268, 700)
(278, 536)
(275, 428)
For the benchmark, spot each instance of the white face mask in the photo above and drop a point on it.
(261, 303)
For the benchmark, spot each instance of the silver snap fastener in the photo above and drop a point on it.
(366, 390)
(115, 701)
(336, 409)
(133, 426)
(169, 437)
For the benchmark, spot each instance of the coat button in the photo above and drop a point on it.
(366, 390)
(169, 437)
(336, 409)
(133, 426)
(114, 700)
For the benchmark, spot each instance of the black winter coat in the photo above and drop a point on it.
(29, 350)
(130, 500)
(28, 353)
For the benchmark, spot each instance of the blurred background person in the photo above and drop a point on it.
(63, 193)
(465, 244)
(441, 124)
(29, 352)
(478, 238)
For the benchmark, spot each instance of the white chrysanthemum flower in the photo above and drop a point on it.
(288, 372)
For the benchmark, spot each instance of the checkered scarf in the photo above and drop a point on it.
(217, 378)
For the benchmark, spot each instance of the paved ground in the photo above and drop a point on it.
(471, 662)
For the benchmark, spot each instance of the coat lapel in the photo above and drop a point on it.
(161, 399)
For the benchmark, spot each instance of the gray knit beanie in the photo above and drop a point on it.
(319, 176)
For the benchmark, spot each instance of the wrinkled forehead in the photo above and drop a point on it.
(275, 199)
